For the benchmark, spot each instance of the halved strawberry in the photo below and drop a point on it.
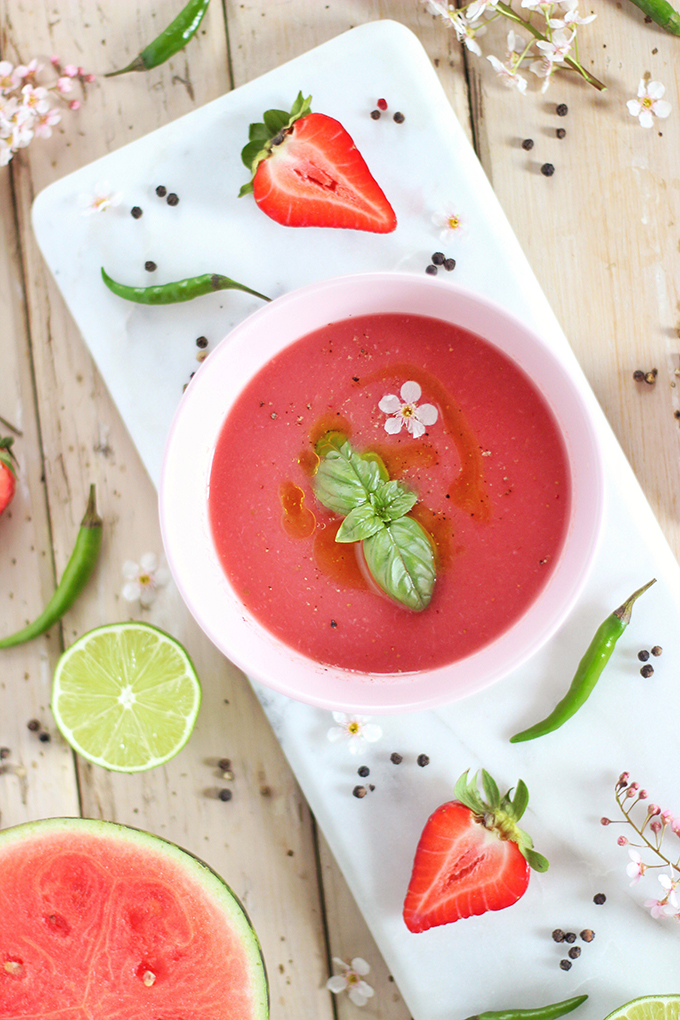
(307, 172)
(471, 857)
(8, 475)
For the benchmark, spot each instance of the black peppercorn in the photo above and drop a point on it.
(44, 737)
(202, 341)
(396, 758)
(647, 670)
(161, 191)
(561, 132)
(438, 258)
(375, 114)
(33, 725)
(423, 760)
(150, 266)
(135, 212)
(657, 650)
(650, 377)
(225, 794)
(224, 764)
(4, 752)
(172, 199)
(431, 269)
(333, 624)
(399, 117)
(562, 110)
(639, 375)
(528, 143)
(565, 964)
(449, 264)
(547, 169)
(643, 655)
(599, 898)
(570, 936)
(574, 952)
(359, 791)
(587, 934)
(363, 771)
(558, 935)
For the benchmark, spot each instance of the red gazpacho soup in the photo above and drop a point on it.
(453, 419)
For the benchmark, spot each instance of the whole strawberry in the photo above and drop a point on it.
(307, 172)
(8, 474)
(472, 856)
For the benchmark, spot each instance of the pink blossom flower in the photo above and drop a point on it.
(356, 729)
(28, 70)
(100, 200)
(667, 906)
(636, 869)
(71, 71)
(405, 411)
(449, 223)
(556, 48)
(45, 123)
(649, 103)
(35, 98)
(351, 980)
(8, 76)
(64, 84)
(508, 74)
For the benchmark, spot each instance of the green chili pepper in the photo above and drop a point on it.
(662, 13)
(555, 1009)
(181, 290)
(76, 574)
(588, 671)
(174, 38)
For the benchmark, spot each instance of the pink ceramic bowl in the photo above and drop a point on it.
(186, 474)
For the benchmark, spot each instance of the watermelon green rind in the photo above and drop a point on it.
(204, 886)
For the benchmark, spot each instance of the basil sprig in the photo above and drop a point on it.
(396, 548)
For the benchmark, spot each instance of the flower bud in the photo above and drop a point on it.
(643, 795)
(622, 840)
(74, 104)
(656, 825)
(653, 809)
(605, 821)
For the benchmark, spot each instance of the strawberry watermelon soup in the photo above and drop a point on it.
(99, 921)
(389, 494)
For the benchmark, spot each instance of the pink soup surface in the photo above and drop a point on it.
(491, 474)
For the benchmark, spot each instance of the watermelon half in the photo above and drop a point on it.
(99, 921)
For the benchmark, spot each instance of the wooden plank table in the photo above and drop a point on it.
(602, 235)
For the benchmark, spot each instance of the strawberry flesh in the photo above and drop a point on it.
(7, 486)
(462, 868)
(316, 177)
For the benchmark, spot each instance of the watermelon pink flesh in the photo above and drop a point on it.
(102, 922)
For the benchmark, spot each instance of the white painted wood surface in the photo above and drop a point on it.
(602, 235)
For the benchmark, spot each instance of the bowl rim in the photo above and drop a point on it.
(184, 483)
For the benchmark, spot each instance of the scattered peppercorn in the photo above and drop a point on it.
(449, 264)
(44, 737)
(33, 725)
(161, 191)
(676, 414)
(562, 110)
(375, 114)
(382, 104)
(639, 375)
(359, 791)
(150, 266)
(547, 169)
(438, 258)
(647, 670)
(363, 771)
(558, 935)
(202, 341)
(396, 758)
(172, 199)
(574, 952)
(224, 764)
(225, 794)
(650, 377)
(431, 269)
(565, 964)
(4, 752)
(135, 212)
(657, 650)
(599, 898)
(399, 117)
(333, 623)
(570, 936)
(587, 934)
(561, 132)
(423, 760)
(643, 655)
(528, 144)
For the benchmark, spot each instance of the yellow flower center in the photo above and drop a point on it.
(408, 411)
(453, 222)
(353, 727)
(647, 102)
(144, 579)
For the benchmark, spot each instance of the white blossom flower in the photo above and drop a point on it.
(143, 580)
(508, 75)
(544, 6)
(649, 103)
(405, 411)
(351, 980)
(45, 122)
(478, 7)
(100, 200)
(557, 48)
(636, 869)
(571, 16)
(440, 8)
(356, 729)
(544, 69)
(667, 906)
(448, 222)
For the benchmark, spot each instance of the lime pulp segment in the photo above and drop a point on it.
(126, 696)
(649, 1007)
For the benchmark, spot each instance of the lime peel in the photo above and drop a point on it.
(649, 1007)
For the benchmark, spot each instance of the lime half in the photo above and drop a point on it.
(126, 696)
(649, 1007)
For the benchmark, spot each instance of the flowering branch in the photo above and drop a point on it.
(555, 42)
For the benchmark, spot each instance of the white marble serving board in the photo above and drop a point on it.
(146, 355)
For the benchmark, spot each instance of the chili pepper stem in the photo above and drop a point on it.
(91, 518)
(624, 611)
(136, 65)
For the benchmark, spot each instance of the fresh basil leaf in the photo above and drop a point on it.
(392, 500)
(401, 560)
(360, 523)
(344, 480)
(372, 456)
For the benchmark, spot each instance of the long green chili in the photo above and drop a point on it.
(555, 1009)
(170, 41)
(181, 290)
(661, 12)
(76, 574)
(588, 671)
